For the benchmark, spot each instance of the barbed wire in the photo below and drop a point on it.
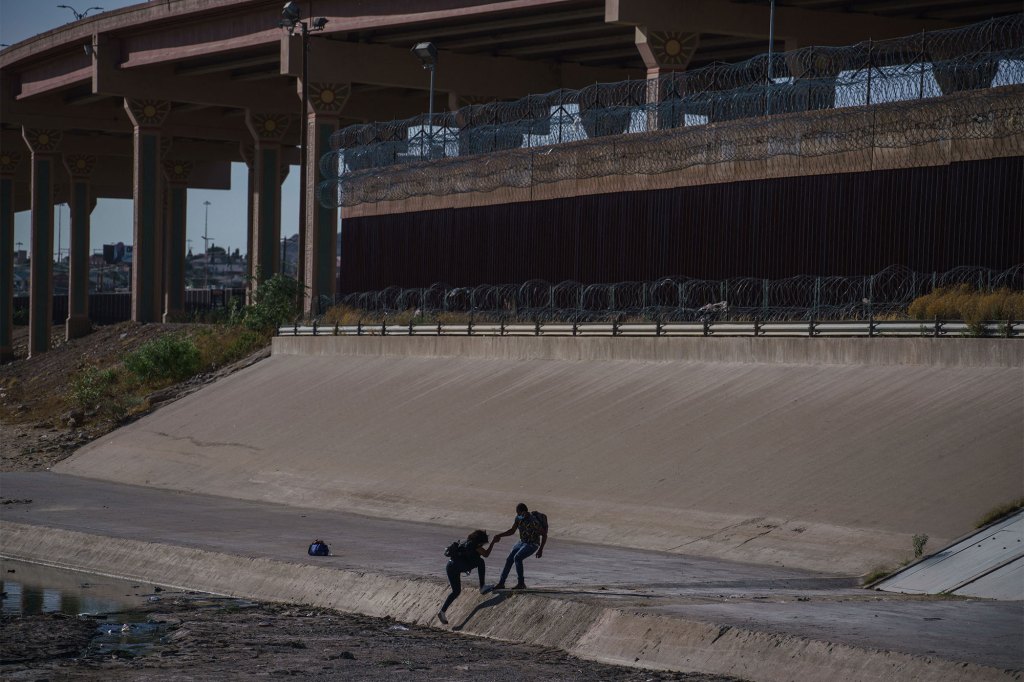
(803, 297)
(835, 100)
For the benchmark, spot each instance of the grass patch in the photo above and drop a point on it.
(220, 345)
(877, 574)
(1000, 512)
(963, 302)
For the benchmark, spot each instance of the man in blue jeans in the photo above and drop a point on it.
(532, 537)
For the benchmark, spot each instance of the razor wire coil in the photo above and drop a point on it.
(822, 101)
(681, 299)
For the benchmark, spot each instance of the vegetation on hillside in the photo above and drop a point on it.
(117, 391)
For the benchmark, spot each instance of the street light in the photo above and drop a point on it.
(292, 18)
(206, 248)
(427, 53)
(79, 15)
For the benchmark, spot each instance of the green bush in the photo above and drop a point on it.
(90, 386)
(275, 301)
(173, 358)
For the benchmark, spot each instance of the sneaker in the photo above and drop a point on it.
(486, 588)
(520, 586)
(441, 617)
(499, 586)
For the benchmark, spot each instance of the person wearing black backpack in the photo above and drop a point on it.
(463, 558)
(533, 534)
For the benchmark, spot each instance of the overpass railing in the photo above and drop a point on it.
(398, 159)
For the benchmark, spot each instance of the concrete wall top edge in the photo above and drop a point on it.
(965, 352)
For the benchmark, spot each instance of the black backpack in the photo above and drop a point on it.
(542, 520)
(460, 550)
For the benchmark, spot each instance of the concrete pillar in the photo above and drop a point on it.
(177, 174)
(662, 52)
(147, 116)
(80, 201)
(44, 145)
(265, 255)
(248, 152)
(320, 243)
(8, 165)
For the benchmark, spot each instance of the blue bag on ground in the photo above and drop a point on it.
(319, 548)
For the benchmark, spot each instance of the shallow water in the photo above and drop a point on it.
(30, 589)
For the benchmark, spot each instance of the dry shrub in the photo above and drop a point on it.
(347, 315)
(963, 302)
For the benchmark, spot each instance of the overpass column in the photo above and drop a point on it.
(320, 242)
(8, 165)
(80, 168)
(43, 144)
(267, 131)
(248, 153)
(177, 174)
(664, 51)
(147, 116)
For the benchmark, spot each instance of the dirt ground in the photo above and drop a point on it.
(200, 638)
(38, 427)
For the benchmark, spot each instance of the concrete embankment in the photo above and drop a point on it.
(592, 629)
(827, 454)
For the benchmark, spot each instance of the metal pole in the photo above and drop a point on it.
(206, 248)
(430, 111)
(300, 273)
(771, 50)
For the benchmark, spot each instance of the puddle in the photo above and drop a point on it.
(123, 628)
(30, 589)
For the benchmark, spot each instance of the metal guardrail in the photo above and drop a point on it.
(864, 328)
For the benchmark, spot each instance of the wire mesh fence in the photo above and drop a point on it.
(678, 299)
(656, 126)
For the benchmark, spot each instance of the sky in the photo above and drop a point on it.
(112, 218)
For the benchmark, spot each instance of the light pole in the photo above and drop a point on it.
(292, 18)
(427, 52)
(206, 248)
(79, 15)
(771, 50)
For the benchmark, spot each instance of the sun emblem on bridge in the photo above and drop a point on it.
(328, 98)
(148, 112)
(41, 141)
(80, 165)
(269, 127)
(672, 48)
(9, 162)
(177, 171)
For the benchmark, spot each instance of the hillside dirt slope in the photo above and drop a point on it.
(38, 425)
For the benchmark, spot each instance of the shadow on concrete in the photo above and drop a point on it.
(493, 601)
